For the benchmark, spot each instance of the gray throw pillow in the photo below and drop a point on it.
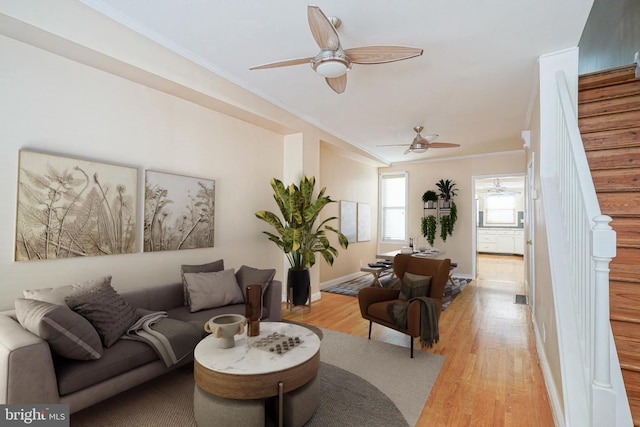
(106, 310)
(201, 268)
(252, 276)
(68, 334)
(414, 285)
(214, 289)
(58, 295)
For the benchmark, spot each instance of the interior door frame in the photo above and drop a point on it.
(474, 225)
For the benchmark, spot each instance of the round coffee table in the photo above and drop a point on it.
(237, 379)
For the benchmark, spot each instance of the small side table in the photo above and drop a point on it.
(376, 272)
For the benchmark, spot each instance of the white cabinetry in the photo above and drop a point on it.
(501, 240)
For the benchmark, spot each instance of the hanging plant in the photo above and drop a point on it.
(445, 227)
(453, 216)
(428, 226)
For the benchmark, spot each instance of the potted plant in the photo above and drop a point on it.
(297, 233)
(429, 198)
(447, 191)
(429, 228)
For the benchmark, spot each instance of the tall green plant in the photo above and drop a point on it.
(297, 235)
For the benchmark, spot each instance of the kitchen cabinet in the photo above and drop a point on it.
(500, 240)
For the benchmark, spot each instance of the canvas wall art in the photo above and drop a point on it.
(70, 207)
(348, 220)
(364, 222)
(179, 212)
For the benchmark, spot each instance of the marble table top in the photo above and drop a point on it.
(248, 358)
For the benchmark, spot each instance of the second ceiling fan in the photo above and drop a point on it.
(420, 143)
(333, 62)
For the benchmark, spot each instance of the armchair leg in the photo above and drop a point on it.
(370, 323)
(410, 337)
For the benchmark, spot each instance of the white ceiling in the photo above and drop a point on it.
(473, 85)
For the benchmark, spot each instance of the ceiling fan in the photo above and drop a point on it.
(497, 189)
(333, 62)
(420, 143)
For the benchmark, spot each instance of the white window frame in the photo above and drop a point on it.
(383, 206)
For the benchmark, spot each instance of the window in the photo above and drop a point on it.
(393, 207)
(500, 209)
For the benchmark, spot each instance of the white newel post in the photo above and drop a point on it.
(603, 396)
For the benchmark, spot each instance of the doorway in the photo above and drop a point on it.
(499, 223)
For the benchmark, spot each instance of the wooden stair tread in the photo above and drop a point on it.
(611, 139)
(610, 92)
(607, 77)
(621, 204)
(602, 122)
(615, 158)
(616, 180)
(609, 106)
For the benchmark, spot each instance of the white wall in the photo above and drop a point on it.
(55, 105)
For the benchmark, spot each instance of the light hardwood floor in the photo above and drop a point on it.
(491, 375)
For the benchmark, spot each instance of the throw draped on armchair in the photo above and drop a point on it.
(374, 302)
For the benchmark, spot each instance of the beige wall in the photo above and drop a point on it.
(348, 179)
(62, 107)
(423, 176)
(76, 83)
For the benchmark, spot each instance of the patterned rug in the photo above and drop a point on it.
(351, 287)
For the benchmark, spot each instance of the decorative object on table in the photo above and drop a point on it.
(253, 309)
(278, 343)
(348, 218)
(298, 236)
(225, 327)
(69, 208)
(178, 212)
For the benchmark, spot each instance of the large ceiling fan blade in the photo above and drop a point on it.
(284, 63)
(407, 151)
(443, 145)
(322, 30)
(381, 54)
(338, 84)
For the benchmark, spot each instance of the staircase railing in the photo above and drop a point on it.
(581, 245)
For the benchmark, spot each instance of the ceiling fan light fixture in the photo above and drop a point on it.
(331, 64)
(331, 68)
(419, 149)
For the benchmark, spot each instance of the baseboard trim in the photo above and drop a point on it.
(332, 282)
(552, 389)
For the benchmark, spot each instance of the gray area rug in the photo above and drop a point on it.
(351, 287)
(363, 383)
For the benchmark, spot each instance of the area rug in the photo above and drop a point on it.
(357, 389)
(351, 287)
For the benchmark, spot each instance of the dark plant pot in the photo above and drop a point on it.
(298, 280)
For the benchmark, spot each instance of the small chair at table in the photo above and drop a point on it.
(374, 301)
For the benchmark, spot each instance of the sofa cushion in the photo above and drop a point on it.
(414, 285)
(58, 295)
(210, 290)
(210, 267)
(121, 357)
(107, 311)
(252, 276)
(68, 334)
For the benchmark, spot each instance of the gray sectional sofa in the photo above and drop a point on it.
(31, 373)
